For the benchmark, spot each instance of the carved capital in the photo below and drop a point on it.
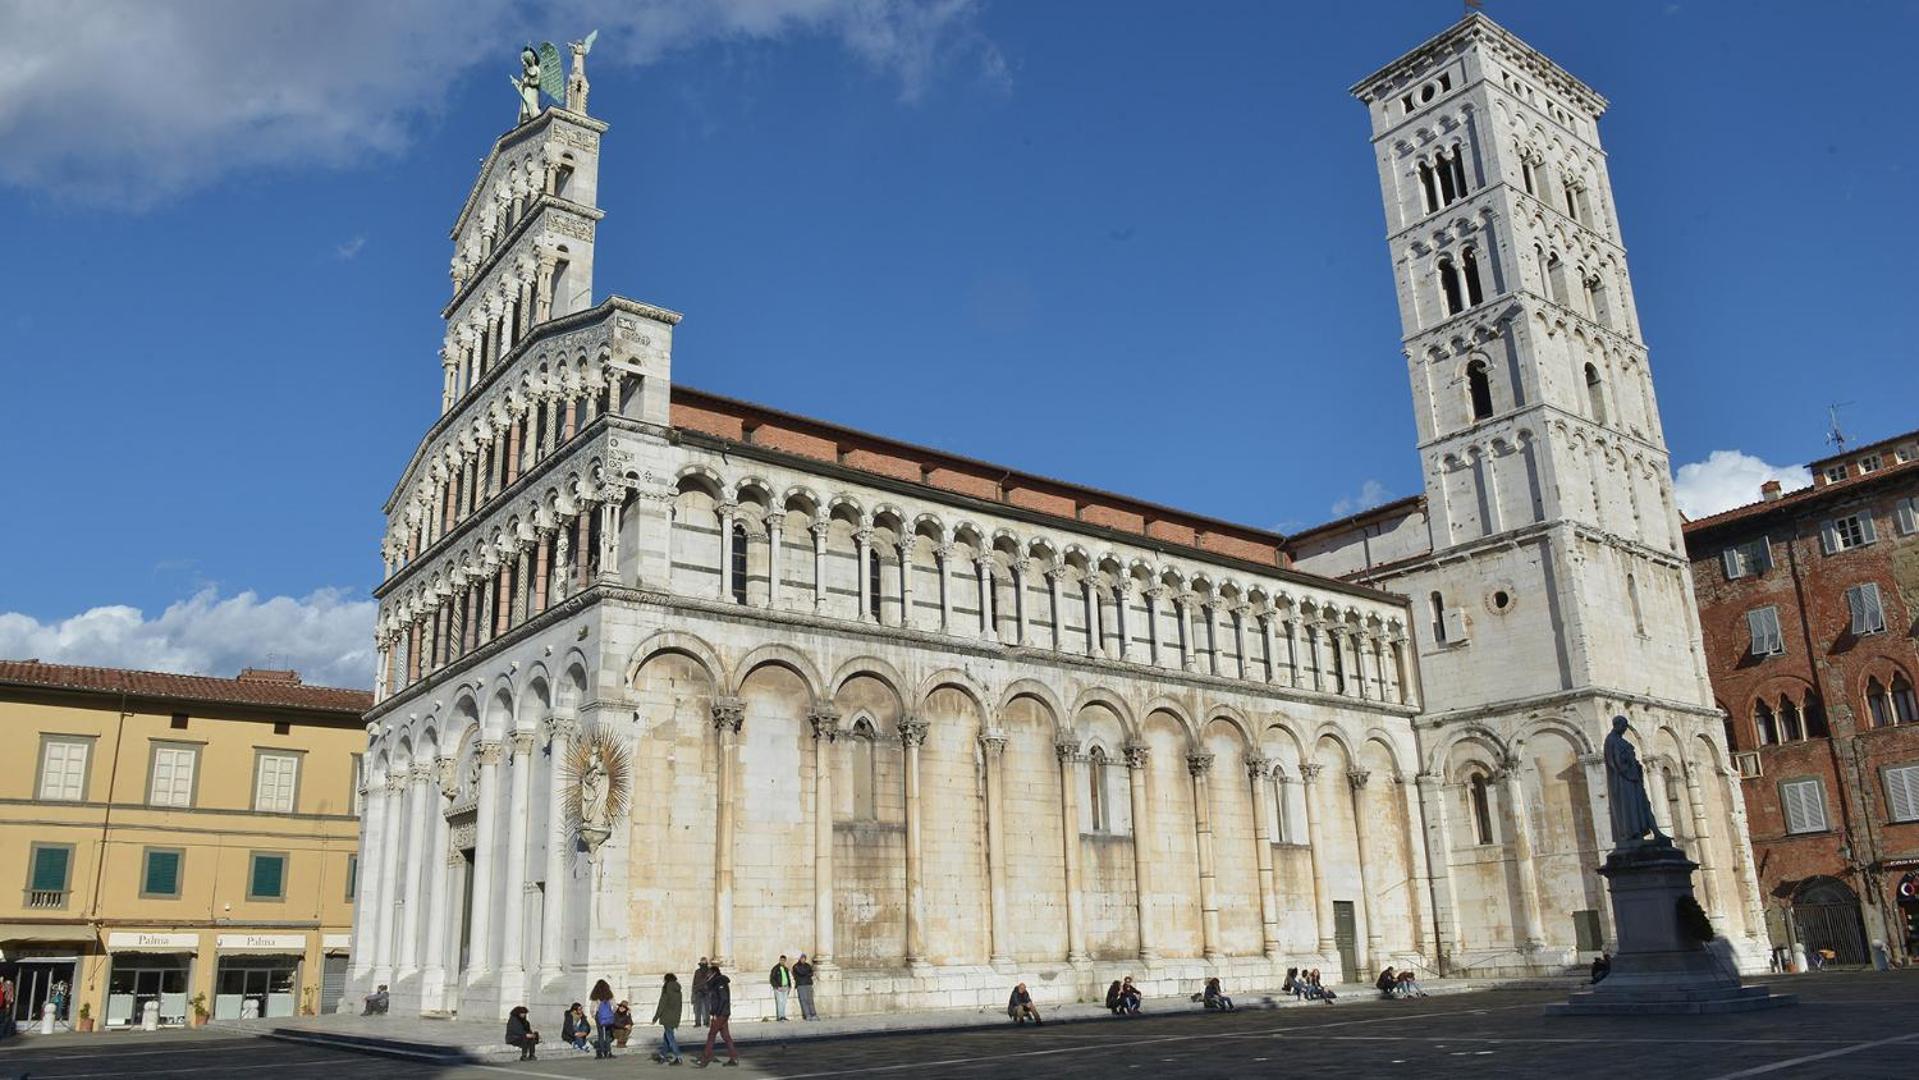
(487, 751)
(863, 537)
(944, 552)
(820, 530)
(1136, 755)
(523, 743)
(1259, 767)
(1357, 778)
(562, 729)
(1199, 764)
(1310, 771)
(993, 742)
(825, 721)
(446, 772)
(729, 713)
(1066, 747)
(912, 730)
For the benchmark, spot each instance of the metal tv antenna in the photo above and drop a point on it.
(1835, 435)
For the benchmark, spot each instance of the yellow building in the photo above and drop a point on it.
(176, 836)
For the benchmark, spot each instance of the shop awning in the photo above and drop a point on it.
(122, 941)
(44, 933)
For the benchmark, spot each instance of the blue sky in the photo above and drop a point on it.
(1133, 245)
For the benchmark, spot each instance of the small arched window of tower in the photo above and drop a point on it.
(1096, 790)
(1477, 791)
(1469, 263)
(1528, 175)
(1595, 395)
(1763, 726)
(1556, 278)
(737, 572)
(1439, 617)
(1479, 389)
(860, 749)
(1427, 187)
(1445, 163)
(1457, 163)
(874, 580)
(1449, 287)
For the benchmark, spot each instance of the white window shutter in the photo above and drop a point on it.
(1874, 611)
(1756, 629)
(1828, 537)
(1902, 792)
(1763, 562)
(1865, 526)
(1730, 557)
(1908, 516)
(1856, 604)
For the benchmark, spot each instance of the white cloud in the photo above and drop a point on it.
(1371, 494)
(1729, 478)
(130, 102)
(327, 636)
(346, 252)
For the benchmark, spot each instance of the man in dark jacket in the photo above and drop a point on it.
(719, 1006)
(781, 980)
(699, 992)
(1019, 1006)
(803, 982)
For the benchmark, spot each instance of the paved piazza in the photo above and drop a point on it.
(1851, 1025)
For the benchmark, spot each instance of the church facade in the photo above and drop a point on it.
(665, 675)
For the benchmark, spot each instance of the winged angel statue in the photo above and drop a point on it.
(543, 72)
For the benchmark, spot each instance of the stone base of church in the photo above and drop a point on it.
(1661, 967)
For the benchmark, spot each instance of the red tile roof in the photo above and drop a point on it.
(273, 689)
(1793, 500)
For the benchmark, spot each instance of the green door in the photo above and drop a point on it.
(1347, 939)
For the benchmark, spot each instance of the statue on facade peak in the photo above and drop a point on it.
(527, 83)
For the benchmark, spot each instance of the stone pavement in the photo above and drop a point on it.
(478, 1041)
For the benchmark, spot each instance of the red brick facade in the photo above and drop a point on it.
(1817, 701)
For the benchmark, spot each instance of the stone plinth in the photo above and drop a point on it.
(1661, 967)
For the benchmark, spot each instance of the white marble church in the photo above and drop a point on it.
(666, 675)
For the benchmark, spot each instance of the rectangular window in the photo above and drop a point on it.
(49, 869)
(1902, 792)
(1805, 804)
(352, 876)
(63, 768)
(1835, 473)
(160, 876)
(275, 777)
(1907, 513)
(1751, 557)
(171, 782)
(1763, 624)
(1870, 463)
(266, 877)
(1846, 533)
(1868, 615)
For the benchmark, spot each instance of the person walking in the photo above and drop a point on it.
(719, 1006)
(603, 1019)
(667, 1015)
(704, 972)
(781, 979)
(803, 982)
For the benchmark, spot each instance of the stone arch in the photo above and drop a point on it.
(1232, 718)
(1494, 749)
(874, 668)
(781, 656)
(1101, 696)
(679, 641)
(498, 718)
(1172, 707)
(1038, 691)
(958, 680)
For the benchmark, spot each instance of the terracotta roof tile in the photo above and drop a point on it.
(1797, 498)
(277, 691)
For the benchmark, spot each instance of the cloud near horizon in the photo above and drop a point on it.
(129, 103)
(327, 636)
(1729, 478)
(1371, 493)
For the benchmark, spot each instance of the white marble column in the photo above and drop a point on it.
(1419, 887)
(726, 511)
(944, 554)
(912, 734)
(862, 555)
(825, 721)
(1519, 835)
(486, 843)
(419, 863)
(560, 733)
(1016, 571)
(1209, 610)
(1362, 823)
(513, 922)
(775, 524)
(1153, 595)
(1239, 639)
(1432, 800)
(391, 866)
(1092, 614)
(906, 583)
(1068, 750)
(433, 967)
(1200, 765)
(820, 531)
(1266, 646)
(729, 714)
(610, 538)
(986, 628)
(1702, 846)
(1055, 614)
(1260, 771)
(1322, 901)
(370, 901)
(1183, 608)
(993, 749)
(1136, 775)
(1122, 604)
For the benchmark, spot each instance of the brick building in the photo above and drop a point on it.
(1808, 601)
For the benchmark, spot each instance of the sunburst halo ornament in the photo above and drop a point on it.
(598, 774)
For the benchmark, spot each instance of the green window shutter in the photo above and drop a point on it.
(269, 872)
(163, 873)
(50, 869)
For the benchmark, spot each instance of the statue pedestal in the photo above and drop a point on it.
(1660, 967)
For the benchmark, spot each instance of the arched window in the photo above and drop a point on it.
(1339, 663)
(1448, 193)
(1904, 706)
(1439, 618)
(562, 180)
(1449, 287)
(1476, 789)
(1790, 728)
(1878, 703)
(1815, 715)
(1596, 300)
(1595, 395)
(1674, 815)
(1279, 808)
(1479, 387)
(562, 300)
(1632, 594)
(1762, 723)
(738, 569)
(1457, 162)
(1556, 277)
(1572, 201)
(1096, 790)
(1529, 176)
(873, 581)
(1469, 263)
(864, 805)
(1427, 187)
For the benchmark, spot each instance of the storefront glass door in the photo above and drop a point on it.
(142, 977)
(248, 987)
